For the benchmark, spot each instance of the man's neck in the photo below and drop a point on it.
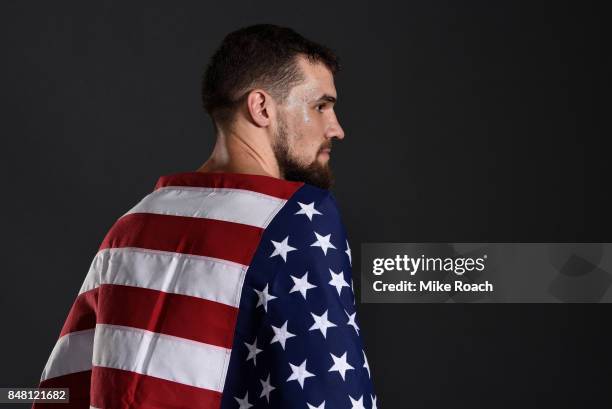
(241, 152)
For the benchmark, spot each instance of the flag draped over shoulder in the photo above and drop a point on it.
(217, 291)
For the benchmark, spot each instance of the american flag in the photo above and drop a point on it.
(217, 291)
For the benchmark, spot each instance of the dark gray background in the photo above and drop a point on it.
(465, 122)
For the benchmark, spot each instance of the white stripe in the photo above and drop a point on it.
(72, 353)
(163, 356)
(233, 205)
(197, 276)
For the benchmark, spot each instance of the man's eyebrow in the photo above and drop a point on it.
(327, 98)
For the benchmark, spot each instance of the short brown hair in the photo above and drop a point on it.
(260, 56)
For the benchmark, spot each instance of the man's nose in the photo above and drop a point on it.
(335, 130)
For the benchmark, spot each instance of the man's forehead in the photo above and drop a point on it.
(318, 79)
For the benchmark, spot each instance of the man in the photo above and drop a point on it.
(230, 287)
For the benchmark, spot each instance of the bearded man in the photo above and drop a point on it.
(230, 287)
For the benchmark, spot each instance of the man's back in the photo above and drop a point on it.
(217, 290)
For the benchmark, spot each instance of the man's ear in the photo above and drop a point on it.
(261, 107)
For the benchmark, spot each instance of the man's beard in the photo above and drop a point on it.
(314, 174)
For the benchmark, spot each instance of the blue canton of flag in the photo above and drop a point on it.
(297, 342)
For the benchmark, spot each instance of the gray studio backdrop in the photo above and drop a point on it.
(465, 122)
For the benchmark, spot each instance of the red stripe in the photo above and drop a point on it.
(82, 315)
(156, 311)
(267, 185)
(118, 389)
(205, 237)
(78, 382)
(172, 314)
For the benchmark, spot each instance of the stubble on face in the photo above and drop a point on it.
(313, 173)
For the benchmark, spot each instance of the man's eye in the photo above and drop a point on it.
(320, 107)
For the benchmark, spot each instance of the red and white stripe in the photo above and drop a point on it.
(156, 314)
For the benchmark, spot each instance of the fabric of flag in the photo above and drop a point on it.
(217, 291)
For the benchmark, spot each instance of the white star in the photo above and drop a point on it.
(282, 248)
(299, 373)
(321, 406)
(264, 297)
(267, 388)
(340, 365)
(302, 285)
(323, 242)
(253, 351)
(281, 335)
(351, 321)
(366, 365)
(374, 399)
(308, 209)
(348, 252)
(357, 404)
(244, 402)
(321, 323)
(338, 281)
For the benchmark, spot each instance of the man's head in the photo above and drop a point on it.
(277, 81)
